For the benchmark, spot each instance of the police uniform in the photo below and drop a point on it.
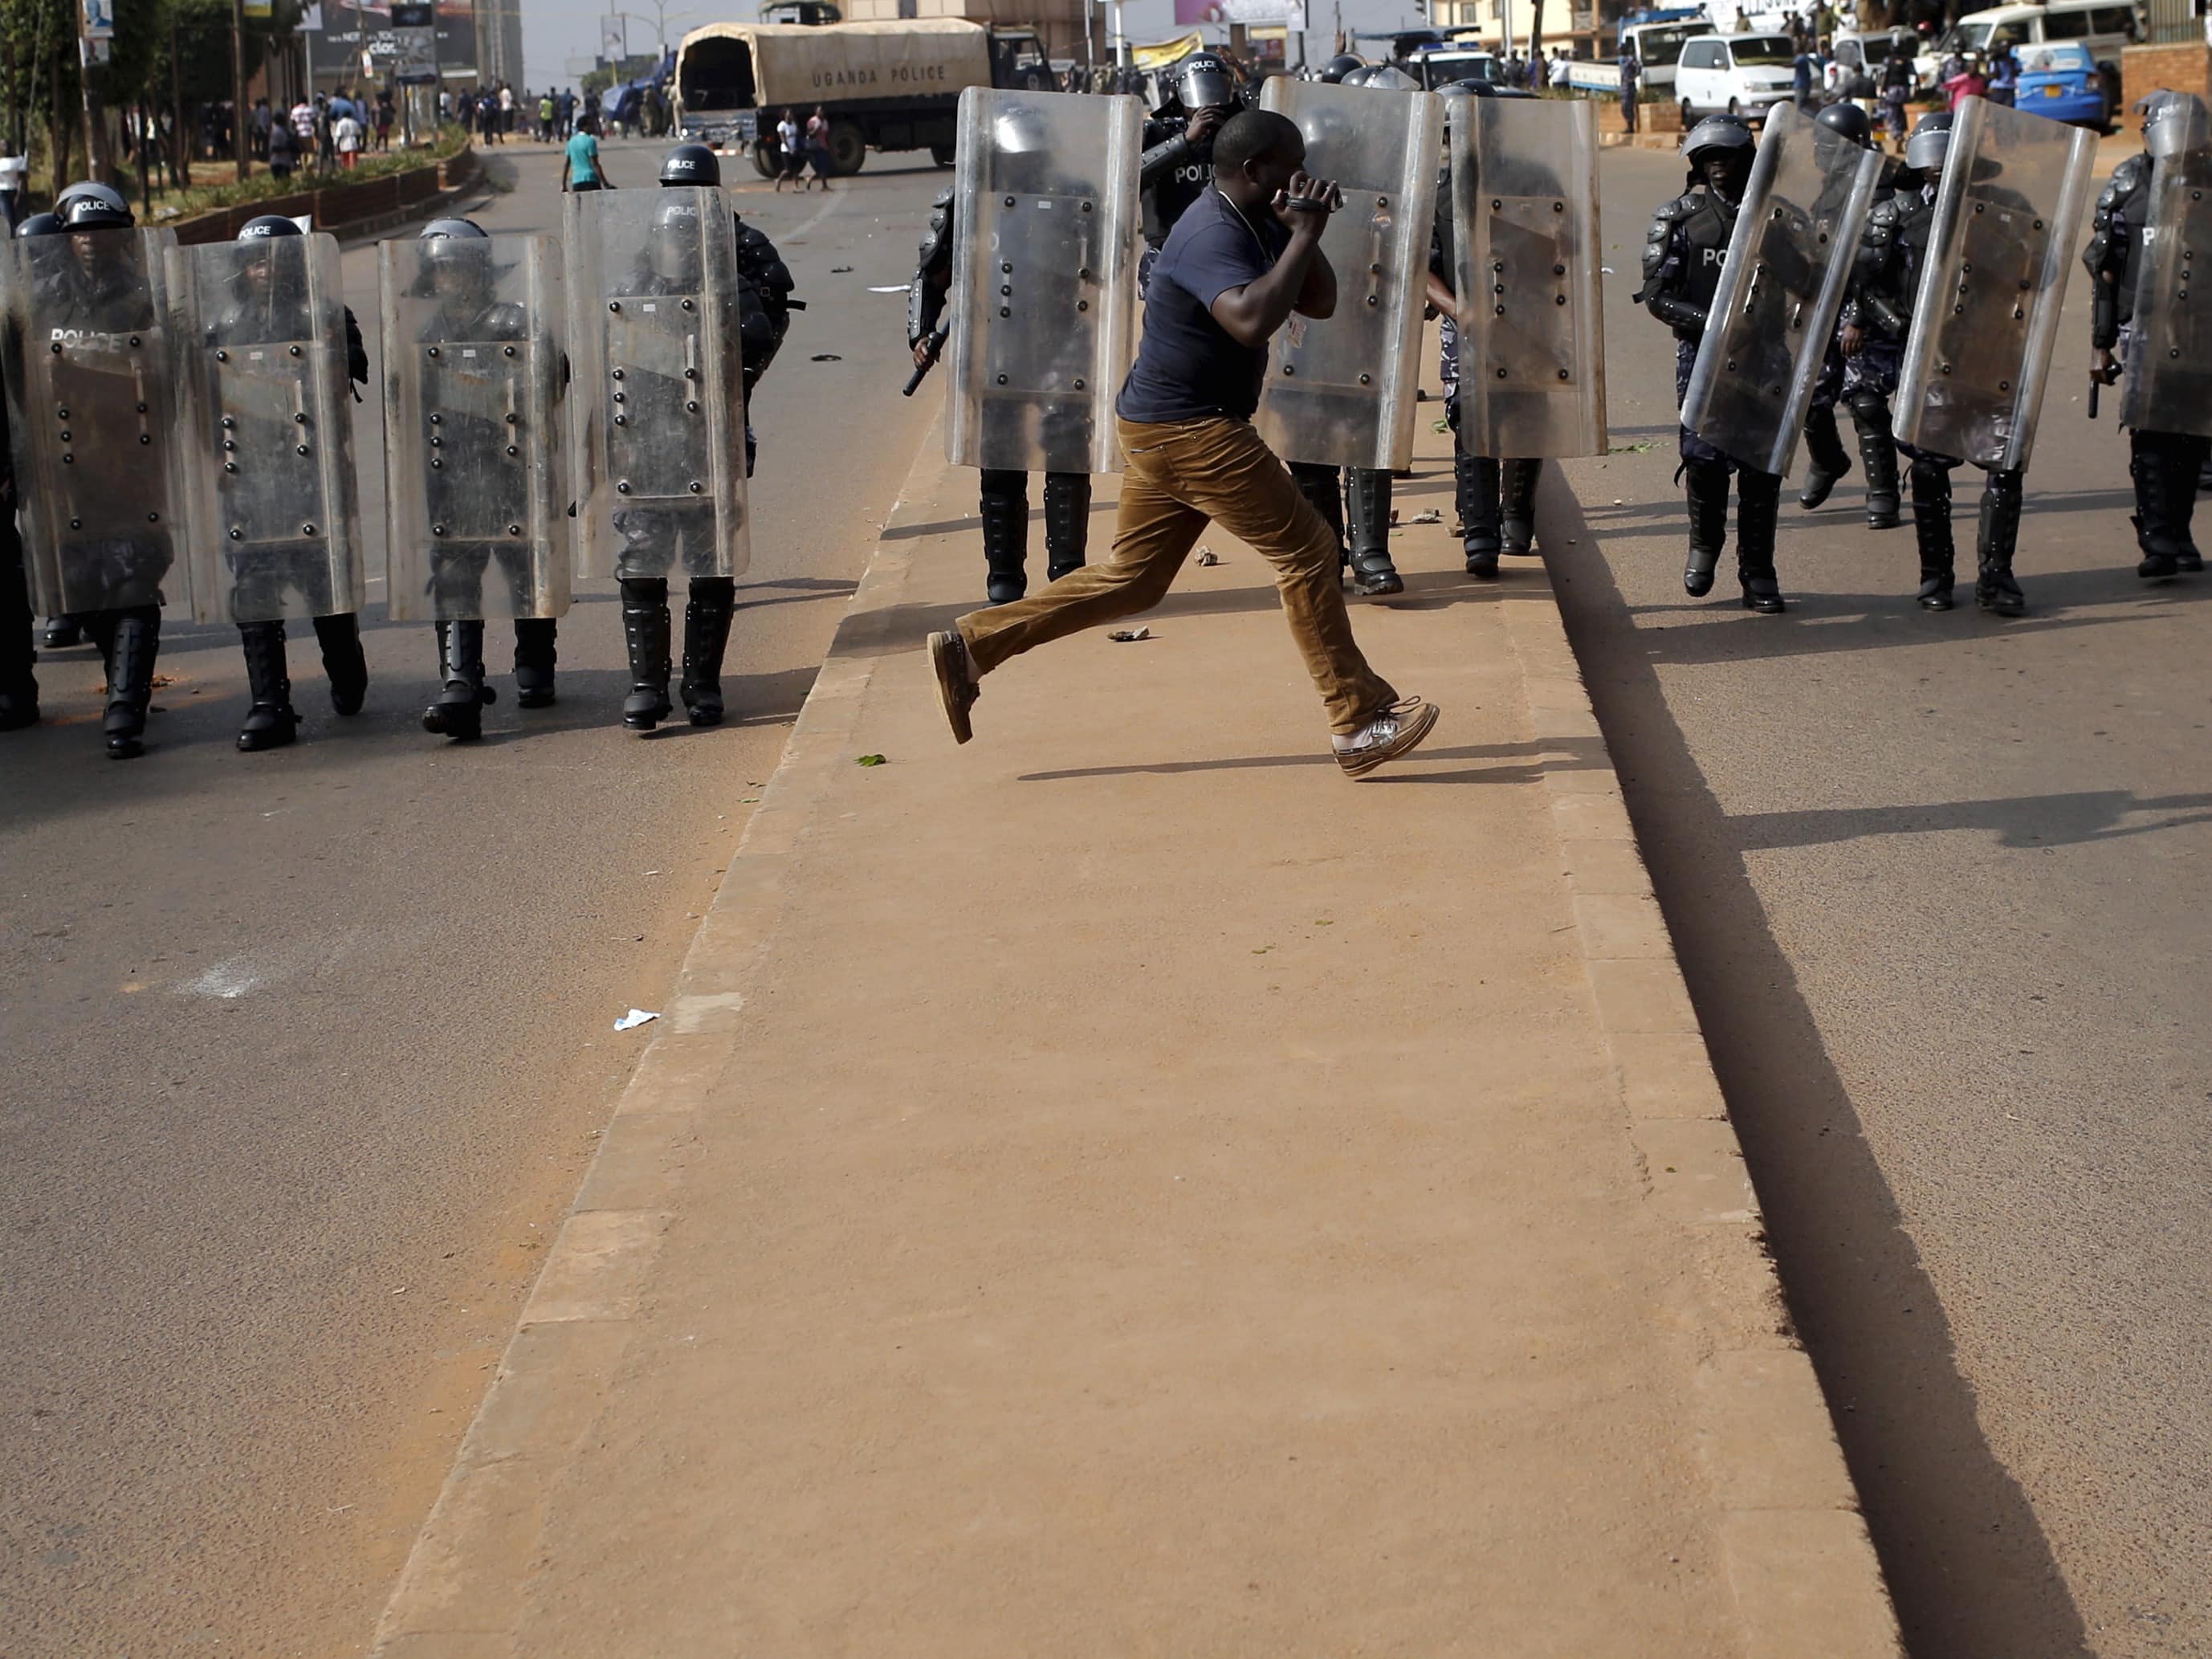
(2165, 466)
(1683, 254)
(1884, 281)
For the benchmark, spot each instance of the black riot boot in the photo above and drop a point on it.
(2182, 484)
(1826, 457)
(1324, 489)
(1878, 452)
(535, 653)
(1757, 507)
(1705, 487)
(63, 632)
(1367, 502)
(1475, 484)
(1516, 508)
(458, 711)
(1931, 529)
(2150, 463)
(129, 640)
(340, 638)
(1067, 522)
(1994, 587)
(645, 631)
(271, 722)
(706, 637)
(19, 688)
(1005, 507)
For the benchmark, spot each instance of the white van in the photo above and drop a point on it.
(1744, 75)
(2103, 25)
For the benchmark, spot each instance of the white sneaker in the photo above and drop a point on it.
(1398, 730)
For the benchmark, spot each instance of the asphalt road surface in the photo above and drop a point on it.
(1940, 884)
(306, 1048)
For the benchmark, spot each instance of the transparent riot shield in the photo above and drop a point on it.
(1044, 266)
(92, 412)
(1524, 213)
(269, 498)
(476, 462)
(658, 393)
(2168, 386)
(1986, 315)
(1341, 390)
(1774, 312)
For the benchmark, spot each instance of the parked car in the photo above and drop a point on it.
(2104, 26)
(2063, 82)
(1857, 58)
(1441, 65)
(1741, 75)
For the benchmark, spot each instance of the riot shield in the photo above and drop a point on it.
(1774, 312)
(2168, 388)
(1341, 390)
(1044, 266)
(1524, 211)
(92, 412)
(476, 463)
(270, 494)
(658, 393)
(1986, 313)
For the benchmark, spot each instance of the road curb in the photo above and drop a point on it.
(1805, 1579)
(1803, 1571)
(460, 1595)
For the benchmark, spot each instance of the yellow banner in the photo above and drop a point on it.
(1167, 52)
(262, 8)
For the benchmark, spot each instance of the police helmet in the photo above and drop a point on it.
(88, 212)
(2175, 123)
(107, 195)
(1205, 80)
(690, 164)
(1388, 77)
(1355, 77)
(1850, 120)
(1929, 142)
(439, 230)
(1473, 87)
(38, 224)
(1716, 134)
(262, 227)
(1340, 66)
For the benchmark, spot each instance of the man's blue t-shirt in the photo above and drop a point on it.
(1188, 366)
(583, 159)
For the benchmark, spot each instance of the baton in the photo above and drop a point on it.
(2095, 386)
(921, 370)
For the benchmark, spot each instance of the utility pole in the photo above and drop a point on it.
(96, 29)
(238, 86)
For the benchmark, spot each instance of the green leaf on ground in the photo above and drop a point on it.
(869, 760)
(1643, 448)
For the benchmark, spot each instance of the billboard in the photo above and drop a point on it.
(338, 33)
(1281, 14)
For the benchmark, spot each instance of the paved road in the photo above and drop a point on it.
(1940, 885)
(306, 1049)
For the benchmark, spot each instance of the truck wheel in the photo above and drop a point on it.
(943, 155)
(768, 160)
(849, 150)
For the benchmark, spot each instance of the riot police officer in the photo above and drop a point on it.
(2165, 466)
(1827, 462)
(263, 573)
(1683, 254)
(1885, 282)
(100, 291)
(469, 308)
(673, 534)
(1496, 499)
(19, 686)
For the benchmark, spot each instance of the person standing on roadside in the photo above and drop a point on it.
(791, 153)
(1240, 261)
(583, 171)
(1632, 74)
(345, 135)
(817, 144)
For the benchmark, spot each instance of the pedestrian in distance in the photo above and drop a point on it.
(1241, 260)
(345, 134)
(582, 170)
(1632, 74)
(818, 145)
(283, 150)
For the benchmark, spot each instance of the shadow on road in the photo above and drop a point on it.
(1971, 1571)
